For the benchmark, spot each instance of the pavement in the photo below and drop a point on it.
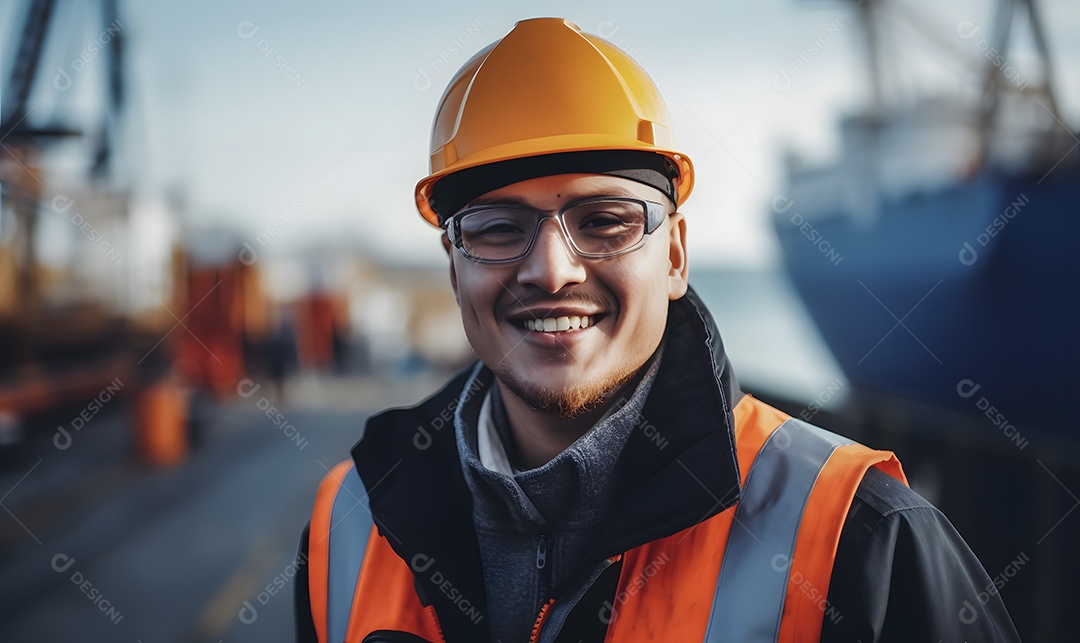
(96, 546)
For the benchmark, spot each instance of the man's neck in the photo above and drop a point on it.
(540, 436)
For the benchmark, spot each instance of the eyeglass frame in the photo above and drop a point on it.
(655, 214)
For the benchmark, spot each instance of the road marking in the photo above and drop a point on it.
(242, 585)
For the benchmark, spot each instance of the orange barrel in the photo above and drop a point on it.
(161, 438)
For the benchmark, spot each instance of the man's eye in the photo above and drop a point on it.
(500, 227)
(602, 220)
(606, 225)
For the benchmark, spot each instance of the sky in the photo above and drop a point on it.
(303, 123)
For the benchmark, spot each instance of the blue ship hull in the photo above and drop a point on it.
(962, 299)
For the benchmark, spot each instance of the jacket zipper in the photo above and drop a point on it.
(539, 624)
(544, 585)
(541, 553)
(545, 611)
(543, 565)
(435, 620)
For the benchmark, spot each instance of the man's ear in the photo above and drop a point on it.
(678, 268)
(453, 273)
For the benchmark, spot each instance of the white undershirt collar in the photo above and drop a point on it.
(489, 445)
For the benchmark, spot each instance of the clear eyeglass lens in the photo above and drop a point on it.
(596, 228)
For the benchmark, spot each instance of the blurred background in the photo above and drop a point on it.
(212, 270)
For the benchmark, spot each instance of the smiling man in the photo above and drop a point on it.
(555, 303)
(597, 475)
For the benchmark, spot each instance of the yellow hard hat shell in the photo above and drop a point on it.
(546, 88)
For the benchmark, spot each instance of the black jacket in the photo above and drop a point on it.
(902, 573)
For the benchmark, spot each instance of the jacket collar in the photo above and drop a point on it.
(678, 468)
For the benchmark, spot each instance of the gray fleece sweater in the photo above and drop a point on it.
(535, 528)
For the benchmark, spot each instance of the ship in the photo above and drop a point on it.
(936, 254)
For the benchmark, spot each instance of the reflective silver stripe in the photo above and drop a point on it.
(350, 524)
(753, 578)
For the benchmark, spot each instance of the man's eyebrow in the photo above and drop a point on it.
(510, 199)
(497, 200)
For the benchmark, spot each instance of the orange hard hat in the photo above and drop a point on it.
(548, 88)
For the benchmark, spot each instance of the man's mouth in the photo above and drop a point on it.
(561, 324)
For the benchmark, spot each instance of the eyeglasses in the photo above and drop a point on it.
(596, 228)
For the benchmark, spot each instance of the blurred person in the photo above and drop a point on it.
(597, 474)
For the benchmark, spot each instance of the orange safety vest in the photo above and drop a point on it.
(798, 482)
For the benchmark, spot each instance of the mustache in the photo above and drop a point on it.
(545, 301)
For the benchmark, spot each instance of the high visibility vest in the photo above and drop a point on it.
(756, 572)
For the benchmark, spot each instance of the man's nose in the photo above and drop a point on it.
(552, 263)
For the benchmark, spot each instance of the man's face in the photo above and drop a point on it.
(625, 299)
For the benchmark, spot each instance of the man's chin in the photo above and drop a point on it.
(566, 402)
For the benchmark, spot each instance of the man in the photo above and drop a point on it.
(598, 475)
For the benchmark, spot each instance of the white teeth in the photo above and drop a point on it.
(558, 324)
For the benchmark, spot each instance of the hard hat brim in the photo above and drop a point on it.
(684, 182)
